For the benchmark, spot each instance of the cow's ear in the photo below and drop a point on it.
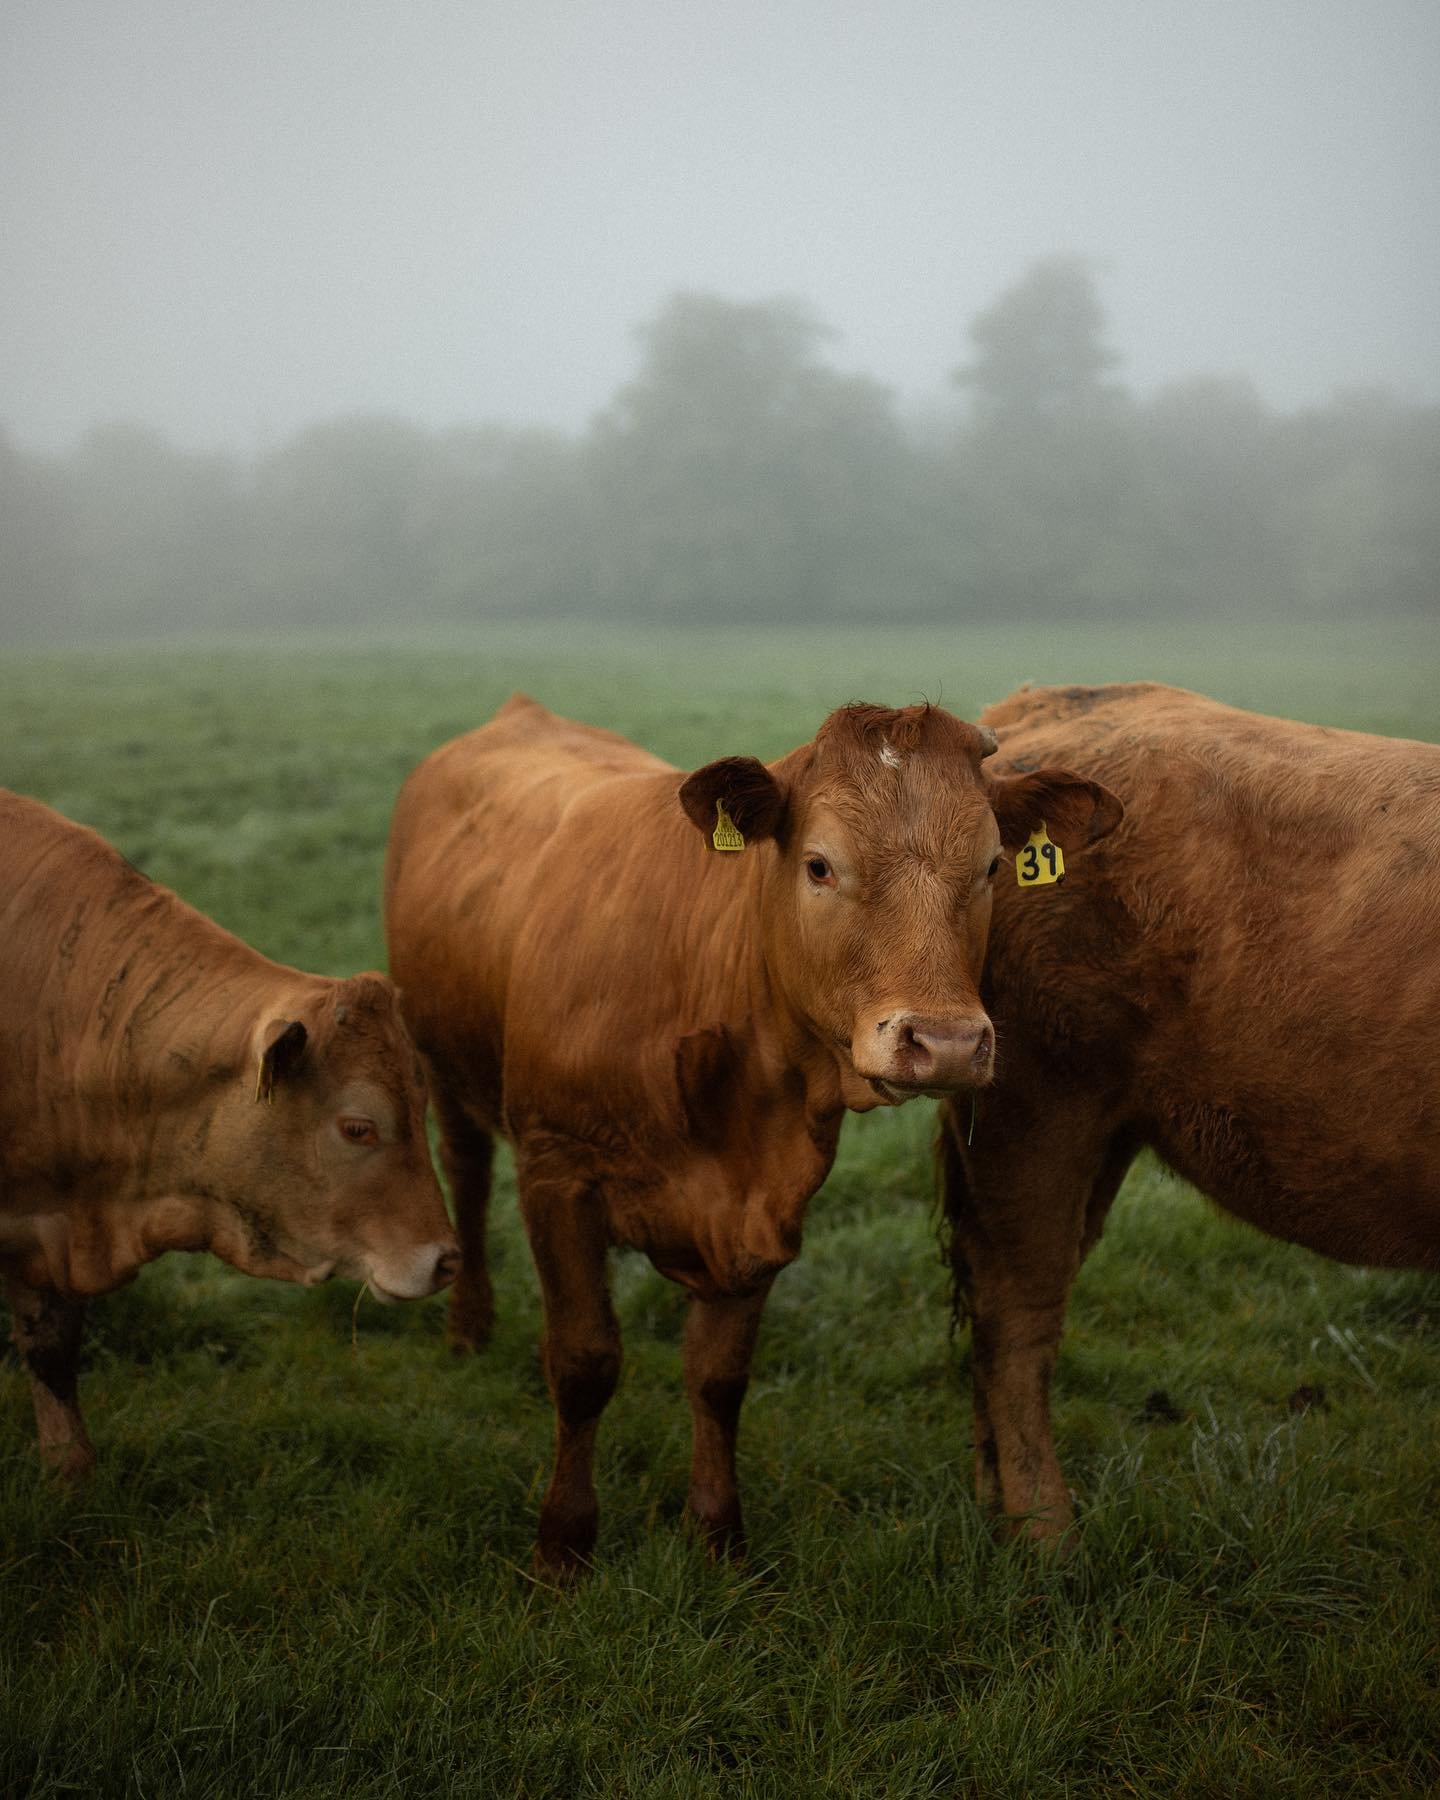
(282, 1044)
(1074, 810)
(753, 800)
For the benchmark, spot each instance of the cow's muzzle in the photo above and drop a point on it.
(426, 1271)
(903, 1054)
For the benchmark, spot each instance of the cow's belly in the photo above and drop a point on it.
(1353, 1185)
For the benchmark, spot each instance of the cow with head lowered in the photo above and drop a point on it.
(1244, 978)
(667, 991)
(165, 1087)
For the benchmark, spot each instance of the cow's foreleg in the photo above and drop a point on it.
(47, 1330)
(1023, 1212)
(719, 1342)
(581, 1354)
(466, 1154)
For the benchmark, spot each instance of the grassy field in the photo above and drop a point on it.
(303, 1567)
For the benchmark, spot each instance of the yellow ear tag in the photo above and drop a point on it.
(1040, 862)
(726, 835)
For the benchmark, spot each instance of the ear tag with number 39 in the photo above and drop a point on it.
(1040, 862)
(726, 835)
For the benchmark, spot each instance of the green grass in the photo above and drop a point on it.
(303, 1567)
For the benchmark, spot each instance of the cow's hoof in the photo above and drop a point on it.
(73, 1464)
(469, 1336)
(561, 1565)
(1056, 1539)
(722, 1533)
(565, 1542)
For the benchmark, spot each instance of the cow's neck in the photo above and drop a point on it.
(167, 1048)
(786, 1054)
(92, 1248)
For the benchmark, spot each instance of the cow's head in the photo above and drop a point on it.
(327, 1168)
(884, 837)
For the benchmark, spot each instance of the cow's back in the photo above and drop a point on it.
(473, 825)
(1249, 967)
(66, 900)
(56, 879)
(96, 961)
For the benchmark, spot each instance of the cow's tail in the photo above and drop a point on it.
(952, 1193)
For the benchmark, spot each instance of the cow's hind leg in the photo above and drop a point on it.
(467, 1152)
(581, 1353)
(47, 1330)
(1024, 1209)
(719, 1342)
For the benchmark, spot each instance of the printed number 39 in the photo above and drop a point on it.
(1030, 860)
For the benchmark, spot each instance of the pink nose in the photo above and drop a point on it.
(944, 1053)
(447, 1267)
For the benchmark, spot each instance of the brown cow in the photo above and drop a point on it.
(670, 1036)
(135, 1039)
(1245, 977)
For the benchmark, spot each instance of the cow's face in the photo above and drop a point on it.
(327, 1166)
(886, 837)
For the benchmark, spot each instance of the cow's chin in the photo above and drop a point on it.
(352, 1269)
(394, 1287)
(896, 1093)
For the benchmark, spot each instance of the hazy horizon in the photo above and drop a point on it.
(229, 224)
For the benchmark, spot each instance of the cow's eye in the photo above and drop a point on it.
(991, 872)
(819, 871)
(358, 1131)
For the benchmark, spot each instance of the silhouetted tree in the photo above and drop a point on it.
(1047, 477)
(158, 539)
(1361, 503)
(738, 474)
(1040, 351)
(338, 524)
(37, 546)
(1211, 491)
(506, 512)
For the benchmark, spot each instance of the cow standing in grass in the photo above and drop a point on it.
(164, 1087)
(667, 991)
(1245, 977)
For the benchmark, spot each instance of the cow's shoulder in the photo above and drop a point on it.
(60, 880)
(524, 725)
(1032, 707)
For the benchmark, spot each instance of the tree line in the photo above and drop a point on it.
(740, 476)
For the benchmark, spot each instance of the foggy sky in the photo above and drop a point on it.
(230, 219)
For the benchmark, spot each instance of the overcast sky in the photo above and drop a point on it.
(227, 218)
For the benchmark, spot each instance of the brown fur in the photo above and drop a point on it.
(135, 1037)
(1245, 977)
(670, 1034)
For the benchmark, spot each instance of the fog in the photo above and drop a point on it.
(357, 314)
(227, 222)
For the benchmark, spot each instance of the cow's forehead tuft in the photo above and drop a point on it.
(860, 732)
(369, 1043)
(361, 1014)
(361, 997)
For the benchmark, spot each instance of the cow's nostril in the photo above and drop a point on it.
(447, 1267)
